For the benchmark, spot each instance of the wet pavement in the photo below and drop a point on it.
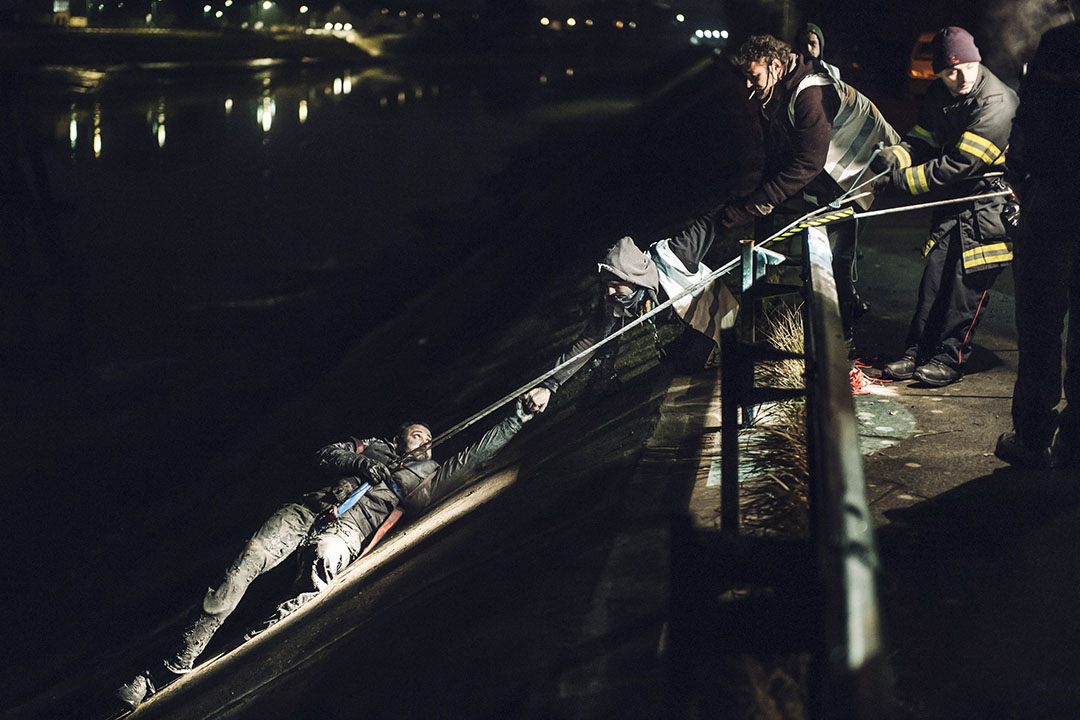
(979, 565)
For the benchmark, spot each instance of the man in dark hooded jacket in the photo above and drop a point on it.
(812, 40)
(400, 472)
(634, 280)
(962, 133)
(1043, 150)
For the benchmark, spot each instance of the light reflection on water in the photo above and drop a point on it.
(187, 190)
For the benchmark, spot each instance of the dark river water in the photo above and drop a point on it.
(202, 245)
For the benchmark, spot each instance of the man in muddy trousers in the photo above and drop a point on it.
(394, 470)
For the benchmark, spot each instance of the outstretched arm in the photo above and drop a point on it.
(461, 468)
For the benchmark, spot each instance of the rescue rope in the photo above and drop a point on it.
(938, 203)
(823, 215)
(692, 289)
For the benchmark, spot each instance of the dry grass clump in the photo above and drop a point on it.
(775, 494)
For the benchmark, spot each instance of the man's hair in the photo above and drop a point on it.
(404, 427)
(762, 49)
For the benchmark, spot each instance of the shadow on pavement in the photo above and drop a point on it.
(979, 600)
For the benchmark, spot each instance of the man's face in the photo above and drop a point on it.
(960, 79)
(621, 288)
(761, 76)
(813, 46)
(414, 437)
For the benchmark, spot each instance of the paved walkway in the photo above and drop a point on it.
(980, 574)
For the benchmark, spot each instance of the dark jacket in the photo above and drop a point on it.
(407, 486)
(690, 245)
(1045, 142)
(955, 139)
(795, 153)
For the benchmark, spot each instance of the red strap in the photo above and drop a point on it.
(383, 529)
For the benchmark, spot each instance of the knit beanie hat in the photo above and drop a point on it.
(954, 46)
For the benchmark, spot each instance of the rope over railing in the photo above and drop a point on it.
(821, 216)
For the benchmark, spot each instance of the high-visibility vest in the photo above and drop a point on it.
(856, 129)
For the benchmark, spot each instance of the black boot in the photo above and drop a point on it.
(1012, 450)
(901, 369)
(937, 374)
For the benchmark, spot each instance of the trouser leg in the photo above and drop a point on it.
(934, 288)
(332, 549)
(963, 310)
(843, 242)
(1044, 269)
(331, 555)
(278, 537)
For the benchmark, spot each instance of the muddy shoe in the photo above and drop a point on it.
(133, 694)
(901, 369)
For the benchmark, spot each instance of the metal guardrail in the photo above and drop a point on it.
(854, 680)
(852, 674)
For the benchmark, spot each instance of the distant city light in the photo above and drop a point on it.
(618, 23)
(570, 72)
(302, 112)
(403, 14)
(724, 34)
(97, 130)
(228, 3)
(303, 9)
(545, 21)
(680, 18)
(347, 26)
(228, 106)
(219, 14)
(267, 4)
(589, 22)
(699, 33)
(328, 26)
(571, 22)
(633, 24)
(206, 8)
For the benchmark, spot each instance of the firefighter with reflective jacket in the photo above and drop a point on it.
(962, 135)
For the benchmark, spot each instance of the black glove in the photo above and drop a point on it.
(377, 473)
(522, 414)
(885, 160)
(890, 184)
(372, 470)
